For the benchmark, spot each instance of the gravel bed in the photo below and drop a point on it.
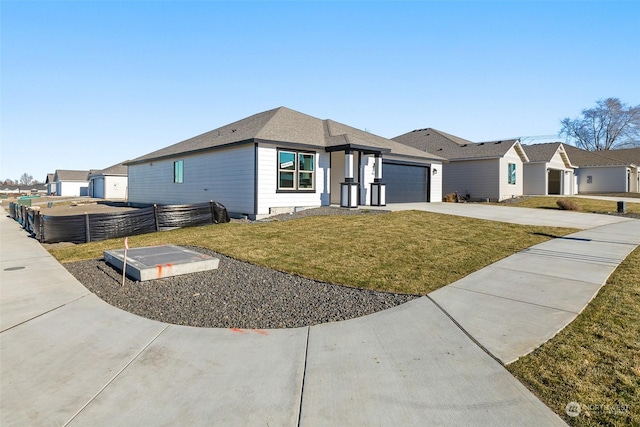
(237, 295)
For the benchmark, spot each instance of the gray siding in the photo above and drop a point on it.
(478, 178)
(603, 179)
(224, 175)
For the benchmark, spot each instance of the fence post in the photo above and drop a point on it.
(87, 232)
(213, 217)
(155, 216)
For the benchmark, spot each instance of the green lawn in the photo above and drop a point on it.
(406, 252)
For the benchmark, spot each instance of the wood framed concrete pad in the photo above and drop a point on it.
(157, 262)
(410, 365)
(214, 377)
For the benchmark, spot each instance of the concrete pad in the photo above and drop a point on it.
(588, 251)
(532, 288)
(197, 376)
(54, 364)
(32, 282)
(36, 289)
(554, 265)
(410, 365)
(157, 262)
(508, 329)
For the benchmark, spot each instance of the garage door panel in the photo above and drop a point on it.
(405, 183)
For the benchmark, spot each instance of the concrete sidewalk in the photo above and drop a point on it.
(514, 215)
(69, 358)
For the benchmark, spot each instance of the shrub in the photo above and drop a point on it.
(450, 198)
(567, 205)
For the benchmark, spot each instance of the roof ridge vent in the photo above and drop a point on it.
(498, 142)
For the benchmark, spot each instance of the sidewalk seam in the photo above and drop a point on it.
(455, 322)
(517, 300)
(304, 374)
(116, 376)
(45, 312)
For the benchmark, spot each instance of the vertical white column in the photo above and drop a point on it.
(348, 166)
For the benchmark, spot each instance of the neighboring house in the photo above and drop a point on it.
(50, 182)
(485, 170)
(282, 160)
(608, 171)
(549, 170)
(72, 183)
(110, 183)
(23, 189)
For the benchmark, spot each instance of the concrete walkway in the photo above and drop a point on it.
(512, 214)
(68, 358)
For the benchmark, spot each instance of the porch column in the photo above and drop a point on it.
(378, 189)
(348, 189)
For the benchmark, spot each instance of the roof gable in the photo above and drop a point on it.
(545, 152)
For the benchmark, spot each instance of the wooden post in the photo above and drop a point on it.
(213, 218)
(124, 265)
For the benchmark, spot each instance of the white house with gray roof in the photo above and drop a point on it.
(71, 183)
(608, 171)
(110, 183)
(549, 170)
(487, 170)
(281, 160)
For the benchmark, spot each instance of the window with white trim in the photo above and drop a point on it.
(296, 170)
(512, 173)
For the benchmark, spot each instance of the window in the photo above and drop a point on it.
(589, 179)
(512, 173)
(178, 172)
(296, 171)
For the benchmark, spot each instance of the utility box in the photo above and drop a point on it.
(622, 207)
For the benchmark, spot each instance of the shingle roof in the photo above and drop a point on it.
(51, 177)
(283, 125)
(119, 169)
(71, 175)
(626, 155)
(581, 157)
(452, 147)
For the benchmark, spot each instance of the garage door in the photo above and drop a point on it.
(405, 183)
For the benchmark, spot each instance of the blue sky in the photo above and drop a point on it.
(85, 85)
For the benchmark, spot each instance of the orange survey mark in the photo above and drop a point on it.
(242, 331)
(159, 267)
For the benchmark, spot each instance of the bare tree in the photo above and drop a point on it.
(610, 124)
(8, 181)
(26, 179)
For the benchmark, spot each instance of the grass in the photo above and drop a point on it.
(595, 360)
(586, 205)
(405, 252)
